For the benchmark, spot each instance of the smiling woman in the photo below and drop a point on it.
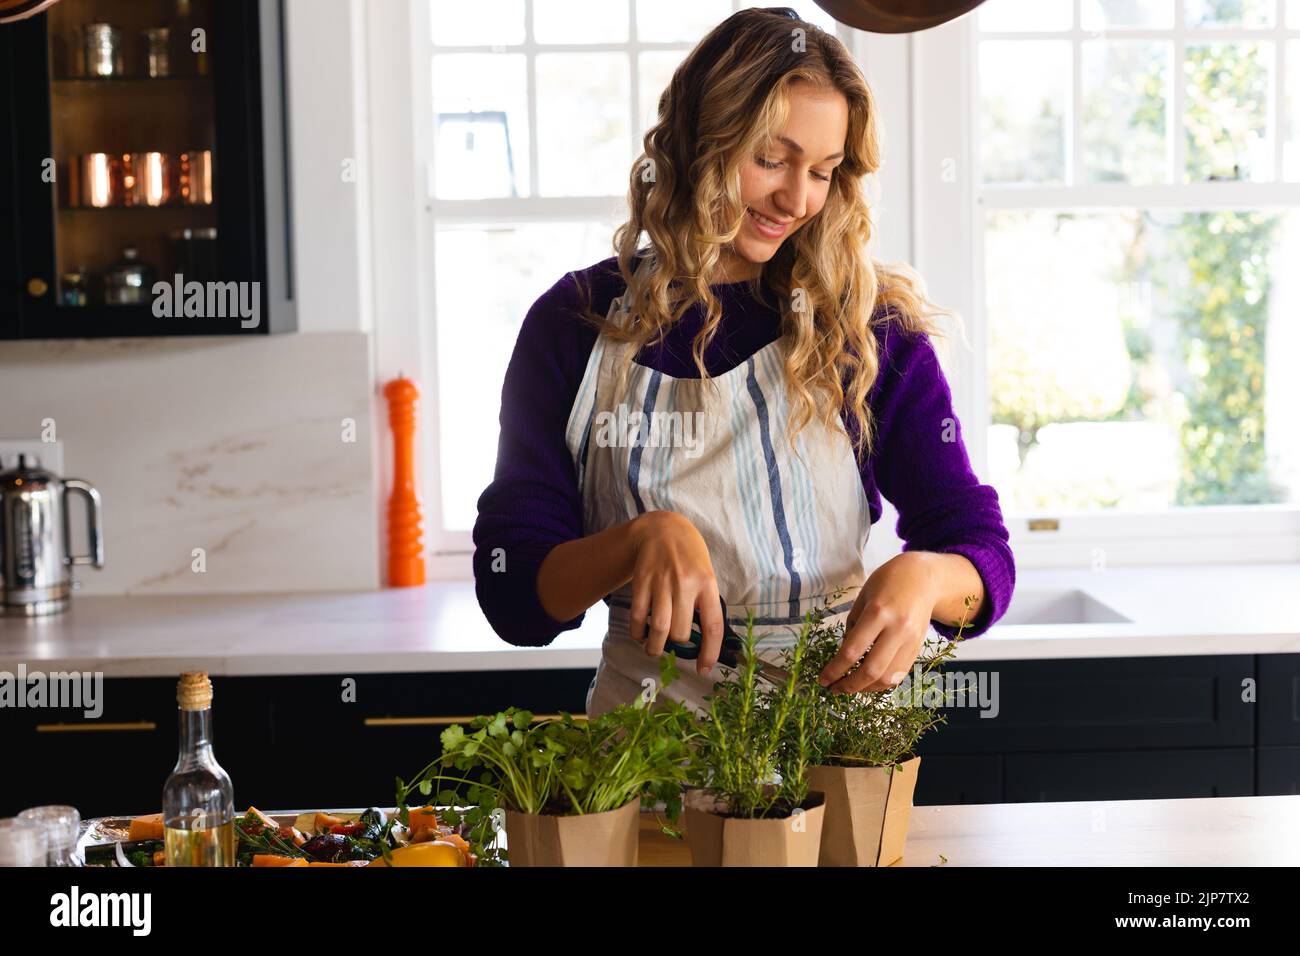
(756, 312)
(787, 184)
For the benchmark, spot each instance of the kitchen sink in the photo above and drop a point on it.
(1062, 606)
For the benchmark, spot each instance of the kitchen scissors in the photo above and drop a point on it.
(732, 652)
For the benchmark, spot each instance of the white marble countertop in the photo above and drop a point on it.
(1178, 610)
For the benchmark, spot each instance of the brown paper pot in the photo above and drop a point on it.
(588, 839)
(867, 812)
(731, 841)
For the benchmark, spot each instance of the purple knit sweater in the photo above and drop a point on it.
(534, 502)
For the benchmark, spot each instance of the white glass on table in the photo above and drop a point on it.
(62, 826)
(22, 843)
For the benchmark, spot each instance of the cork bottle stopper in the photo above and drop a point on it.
(194, 692)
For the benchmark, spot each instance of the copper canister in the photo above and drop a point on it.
(96, 180)
(194, 177)
(147, 179)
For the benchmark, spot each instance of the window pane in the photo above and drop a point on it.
(455, 23)
(1159, 375)
(1226, 123)
(1230, 13)
(1293, 14)
(1291, 148)
(1022, 125)
(487, 279)
(678, 21)
(481, 125)
(997, 16)
(1105, 14)
(1125, 92)
(583, 102)
(655, 70)
(806, 9)
(580, 21)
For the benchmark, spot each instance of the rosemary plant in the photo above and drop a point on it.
(755, 743)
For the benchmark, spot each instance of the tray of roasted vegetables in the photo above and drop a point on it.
(341, 838)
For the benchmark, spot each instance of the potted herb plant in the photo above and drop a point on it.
(568, 790)
(751, 804)
(861, 748)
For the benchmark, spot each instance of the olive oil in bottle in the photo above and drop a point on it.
(198, 800)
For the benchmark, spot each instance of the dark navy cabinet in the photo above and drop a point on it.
(291, 741)
(1097, 729)
(1111, 729)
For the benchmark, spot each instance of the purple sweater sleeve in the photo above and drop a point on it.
(920, 464)
(533, 503)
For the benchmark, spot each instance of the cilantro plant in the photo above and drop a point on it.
(563, 766)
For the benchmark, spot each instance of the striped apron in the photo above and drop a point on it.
(785, 531)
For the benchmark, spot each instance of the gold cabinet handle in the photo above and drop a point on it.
(90, 727)
(37, 287)
(444, 721)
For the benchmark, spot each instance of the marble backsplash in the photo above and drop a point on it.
(238, 447)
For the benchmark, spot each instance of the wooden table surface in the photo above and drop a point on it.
(1205, 831)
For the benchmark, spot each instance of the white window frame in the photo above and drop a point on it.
(949, 252)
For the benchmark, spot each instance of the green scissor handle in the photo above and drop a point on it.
(728, 654)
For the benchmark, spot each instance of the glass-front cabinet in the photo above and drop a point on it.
(144, 172)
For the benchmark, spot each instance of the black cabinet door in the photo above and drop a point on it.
(114, 763)
(1104, 704)
(1278, 771)
(341, 741)
(117, 763)
(287, 742)
(39, 100)
(1130, 775)
(1279, 699)
(949, 779)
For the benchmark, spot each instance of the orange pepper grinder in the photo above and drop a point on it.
(405, 538)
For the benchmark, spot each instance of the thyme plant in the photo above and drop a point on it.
(875, 728)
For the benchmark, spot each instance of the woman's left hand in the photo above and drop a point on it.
(888, 624)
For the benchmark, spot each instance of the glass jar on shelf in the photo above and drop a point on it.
(101, 51)
(128, 281)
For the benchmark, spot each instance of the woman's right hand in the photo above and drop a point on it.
(672, 577)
